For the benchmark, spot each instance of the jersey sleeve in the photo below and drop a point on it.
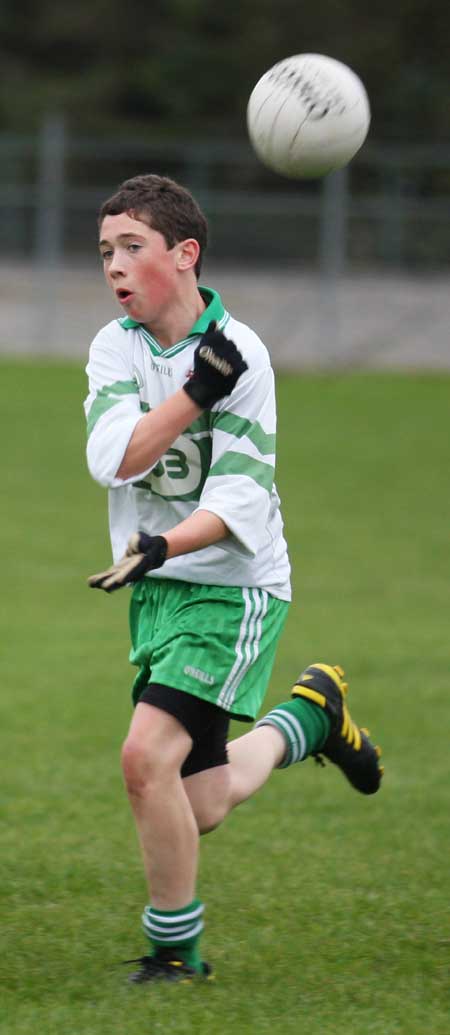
(240, 481)
(112, 410)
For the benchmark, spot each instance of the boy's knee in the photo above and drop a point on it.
(209, 795)
(210, 817)
(138, 766)
(153, 753)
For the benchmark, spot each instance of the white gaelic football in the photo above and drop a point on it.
(307, 116)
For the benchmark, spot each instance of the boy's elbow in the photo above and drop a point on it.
(99, 472)
(99, 477)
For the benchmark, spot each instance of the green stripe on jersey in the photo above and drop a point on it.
(240, 426)
(201, 425)
(107, 397)
(232, 463)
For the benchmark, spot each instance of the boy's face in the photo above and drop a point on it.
(139, 267)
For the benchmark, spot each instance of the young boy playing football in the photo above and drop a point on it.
(181, 430)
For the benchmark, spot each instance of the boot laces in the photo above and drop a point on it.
(349, 730)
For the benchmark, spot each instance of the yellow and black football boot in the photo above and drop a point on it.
(166, 966)
(347, 745)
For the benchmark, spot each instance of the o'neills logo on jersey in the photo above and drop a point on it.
(197, 673)
(162, 368)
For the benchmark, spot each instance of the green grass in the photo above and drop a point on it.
(326, 912)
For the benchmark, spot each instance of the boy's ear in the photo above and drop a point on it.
(188, 253)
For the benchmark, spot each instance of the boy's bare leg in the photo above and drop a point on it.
(152, 756)
(252, 757)
(316, 719)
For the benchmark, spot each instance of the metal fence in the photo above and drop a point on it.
(389, 209)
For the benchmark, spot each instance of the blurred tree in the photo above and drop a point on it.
(189, 65)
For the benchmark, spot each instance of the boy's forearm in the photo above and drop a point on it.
(155, 433)
(201, 529)
(146, 553)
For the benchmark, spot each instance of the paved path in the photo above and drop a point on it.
(363, 321)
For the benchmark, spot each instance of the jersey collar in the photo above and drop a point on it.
(214, 311)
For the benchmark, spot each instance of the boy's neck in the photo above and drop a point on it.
(180, 318)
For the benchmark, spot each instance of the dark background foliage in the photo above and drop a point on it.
(190, 64)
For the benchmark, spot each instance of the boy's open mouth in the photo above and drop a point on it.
(123, 295)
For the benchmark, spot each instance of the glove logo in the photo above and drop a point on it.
(218, 365)
(208, 354)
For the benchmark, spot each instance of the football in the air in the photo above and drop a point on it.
(308, 116)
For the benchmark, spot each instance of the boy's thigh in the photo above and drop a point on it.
(155, 739)
(205, 724)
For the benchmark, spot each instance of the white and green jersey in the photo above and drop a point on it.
(224, 462)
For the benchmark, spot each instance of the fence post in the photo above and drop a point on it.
(333, 223)
(49, 224)
(393, 225)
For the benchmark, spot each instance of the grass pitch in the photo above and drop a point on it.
(326, 911)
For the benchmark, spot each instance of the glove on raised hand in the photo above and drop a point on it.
(217, 366)
(144, 552)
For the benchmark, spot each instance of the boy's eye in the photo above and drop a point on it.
(106, 255)
(133, 247)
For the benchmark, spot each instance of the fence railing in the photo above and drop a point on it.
(390, 207)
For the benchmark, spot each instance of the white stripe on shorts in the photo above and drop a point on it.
(256, 602)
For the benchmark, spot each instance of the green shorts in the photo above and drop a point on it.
(214, 642)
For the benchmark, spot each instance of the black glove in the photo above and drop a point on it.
(217, 366)
(144, 552)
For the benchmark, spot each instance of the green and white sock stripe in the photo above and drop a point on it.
(293, 733)
(173, 928)
(256, 602)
